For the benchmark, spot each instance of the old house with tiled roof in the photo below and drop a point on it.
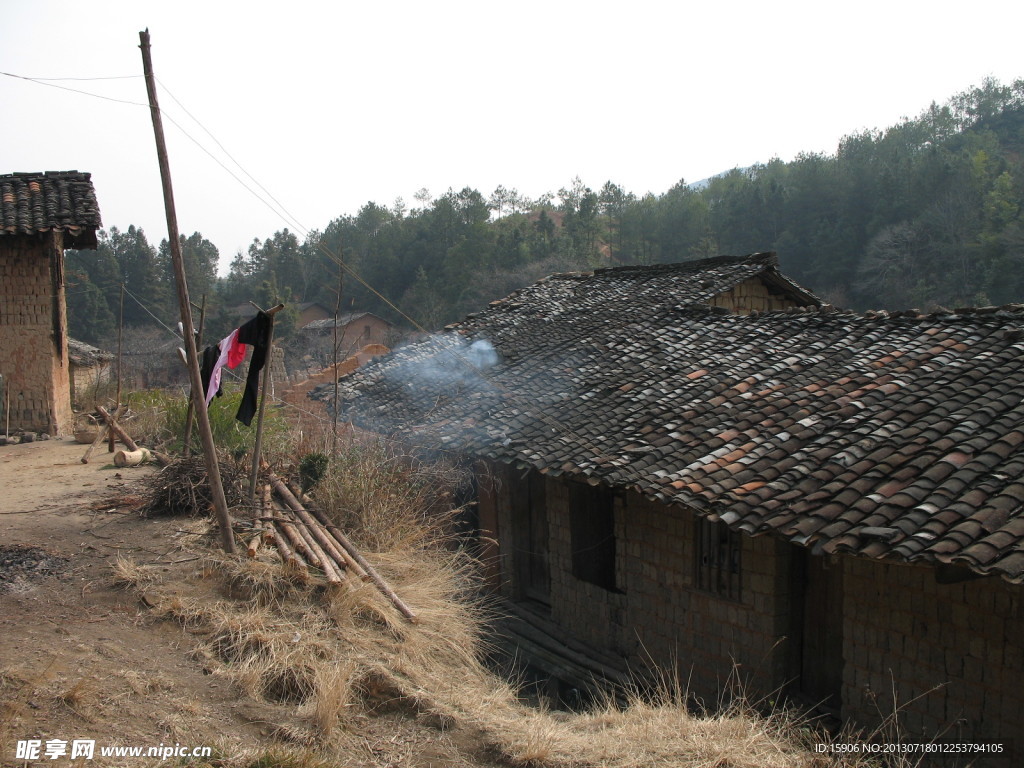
(41, 215)
(355, 330)
(819, 501)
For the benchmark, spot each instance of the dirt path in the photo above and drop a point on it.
(84, 658)
(79, 657)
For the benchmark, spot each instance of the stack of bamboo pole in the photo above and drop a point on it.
(306, 538)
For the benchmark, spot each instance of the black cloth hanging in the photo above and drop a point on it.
(255, 332)
(208, 359)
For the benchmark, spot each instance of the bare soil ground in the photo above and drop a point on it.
(82, 657)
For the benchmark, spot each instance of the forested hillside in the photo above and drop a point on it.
(927, 212)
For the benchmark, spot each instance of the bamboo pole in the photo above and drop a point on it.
(120, 331)
(337, 313)
(220, 503)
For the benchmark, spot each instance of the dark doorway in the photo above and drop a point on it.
(530, 535)
(818, 625)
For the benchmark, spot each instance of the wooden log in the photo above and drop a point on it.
(273, 536)
(544, 634)
(289, 556)
(326, 565)
(319, 543)
(253, 546)
(338, 549)
(99, 439)
(132, 458)
(116, 428)
(386, 590)
(297, 541)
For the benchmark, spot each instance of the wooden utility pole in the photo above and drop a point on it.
(220, 504)
(190, 413)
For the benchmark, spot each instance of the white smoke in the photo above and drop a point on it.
(447, 361)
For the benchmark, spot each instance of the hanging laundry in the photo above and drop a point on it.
(224, 348)
(207, 360)
(256, 333)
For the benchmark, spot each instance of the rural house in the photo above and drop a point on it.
(813, 500)
(355, 331)
(90, 369)
(41, 215)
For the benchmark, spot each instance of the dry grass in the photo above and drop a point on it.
(335, 659)
(388, 500)
(344, 655)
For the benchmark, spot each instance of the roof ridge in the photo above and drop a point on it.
(764, 258)
(1015, 310)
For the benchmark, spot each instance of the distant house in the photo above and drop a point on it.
(824, 503)
(310, 311)
(90, 369)
(355, 331)
(41, 215)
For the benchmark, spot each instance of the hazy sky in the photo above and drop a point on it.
(331, 104)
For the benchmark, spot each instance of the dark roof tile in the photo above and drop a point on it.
(54, 201)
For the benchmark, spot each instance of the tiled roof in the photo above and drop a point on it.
(327, 323)
(31, 203)
(86, 355)
(886, 435)
(683, 284)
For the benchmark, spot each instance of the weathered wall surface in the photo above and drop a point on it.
(949, 656)
(656, 614)
(750, 296)
(33, 335)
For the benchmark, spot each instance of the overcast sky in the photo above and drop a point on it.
(331, 104)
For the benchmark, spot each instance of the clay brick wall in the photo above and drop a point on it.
(33, 333)
(656, 614)
(87, 381)
(751, 295)
(955, 652)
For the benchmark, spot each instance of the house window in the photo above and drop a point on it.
(718, 559)
(592, 520)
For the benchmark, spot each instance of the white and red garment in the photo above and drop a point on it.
(232, 352)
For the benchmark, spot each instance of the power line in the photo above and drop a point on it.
(39, 81)
(113, 77)
(288, 217)
(225, 151)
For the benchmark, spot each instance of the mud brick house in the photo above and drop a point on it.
(817, 501)
(41, 215)
(91, 368)
(355, 331)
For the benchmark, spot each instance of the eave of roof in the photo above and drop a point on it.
(64, 201)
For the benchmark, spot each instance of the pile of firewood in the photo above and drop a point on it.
(305, 537)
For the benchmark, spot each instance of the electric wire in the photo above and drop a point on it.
(553, 423)
(40, 81)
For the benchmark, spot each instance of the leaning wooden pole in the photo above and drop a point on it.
(220, 504)
(190, 413)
